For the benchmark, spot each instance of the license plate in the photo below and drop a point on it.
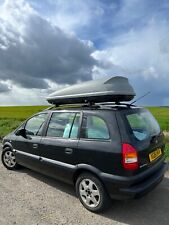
(154, 155)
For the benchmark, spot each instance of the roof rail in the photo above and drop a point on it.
(49, 108)
(115, 104)
(89, 105)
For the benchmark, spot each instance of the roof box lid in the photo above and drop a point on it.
(113, 89)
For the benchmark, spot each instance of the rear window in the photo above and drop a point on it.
(143, 125)
(94, 127)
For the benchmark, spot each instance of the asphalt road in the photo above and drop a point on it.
(28, 198)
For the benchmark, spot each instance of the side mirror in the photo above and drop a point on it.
(21, 132)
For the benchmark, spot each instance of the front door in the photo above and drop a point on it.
(27, 148)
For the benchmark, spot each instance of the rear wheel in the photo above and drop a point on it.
(91, 193)
(8, 159)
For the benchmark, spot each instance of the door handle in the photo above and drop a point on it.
(68, 151)
(40, 159)
(35, 146)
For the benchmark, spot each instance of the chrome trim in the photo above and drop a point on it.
(46, 159)
(143, 165)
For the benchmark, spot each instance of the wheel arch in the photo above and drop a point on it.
(7, 145)
(84, 168)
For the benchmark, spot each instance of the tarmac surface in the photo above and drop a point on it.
(28, 198)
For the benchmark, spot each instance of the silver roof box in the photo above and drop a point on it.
(113, 89)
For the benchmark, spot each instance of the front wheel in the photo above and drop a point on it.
(8, 159)
(91, 193)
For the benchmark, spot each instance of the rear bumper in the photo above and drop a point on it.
(135, 186)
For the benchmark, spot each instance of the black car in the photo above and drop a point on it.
(105, 151)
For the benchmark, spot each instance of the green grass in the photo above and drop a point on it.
(19, 112)
(167, 151)
(12, 116)
(162, 116)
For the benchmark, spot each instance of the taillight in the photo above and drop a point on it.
(130, 157)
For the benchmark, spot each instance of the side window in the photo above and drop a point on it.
(34, 125)
(93, 127)
(63, 125)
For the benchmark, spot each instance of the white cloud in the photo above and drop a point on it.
(32, 49)
(11, 94)
(23, 96)
(72, 15)
(141, 55)
(39, 48)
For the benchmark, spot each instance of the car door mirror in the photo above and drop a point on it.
(21, 132)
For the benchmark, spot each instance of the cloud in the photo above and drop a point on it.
(143, 56)
(86, 19)
(70, 16)
(32, 49)
(23, 96)
(15, 95)
(45, 45)
(4, 88)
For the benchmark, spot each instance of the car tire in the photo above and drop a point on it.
(92, 193)
(8, 159)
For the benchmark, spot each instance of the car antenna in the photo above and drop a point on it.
(140, 98)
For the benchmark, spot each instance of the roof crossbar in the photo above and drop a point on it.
(90, 105)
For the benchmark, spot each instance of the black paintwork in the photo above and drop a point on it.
(64, 159)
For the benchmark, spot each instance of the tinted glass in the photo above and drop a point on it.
(93, 127)
(61, 125)
(34, 125)
(143, 125)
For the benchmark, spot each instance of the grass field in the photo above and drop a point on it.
(162, 116)
(12, 116)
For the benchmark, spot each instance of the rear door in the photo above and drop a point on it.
(140, 129)
(59, 145)
(100, 143)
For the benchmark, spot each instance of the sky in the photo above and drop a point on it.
(48, 45)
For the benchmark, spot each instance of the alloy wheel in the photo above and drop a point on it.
(89, 193)
(9, 159)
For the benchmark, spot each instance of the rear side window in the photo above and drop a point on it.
(63, 125)
(143, 125)
(94, 127)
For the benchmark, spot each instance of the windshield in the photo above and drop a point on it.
(143, 125)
